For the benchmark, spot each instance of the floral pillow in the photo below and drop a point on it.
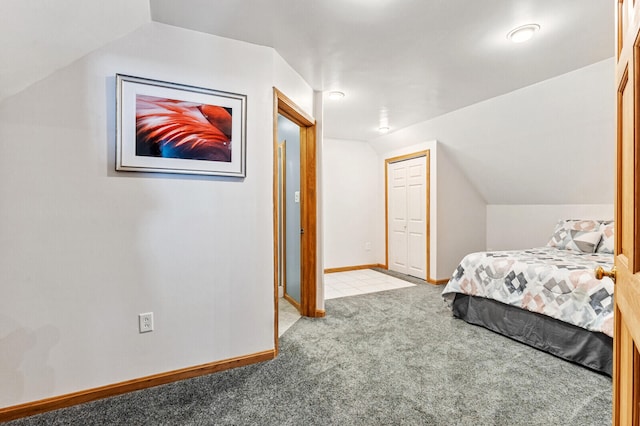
(576, 235)
(606, 243)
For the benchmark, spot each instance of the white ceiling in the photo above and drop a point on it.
(407, 61)
(404, 61)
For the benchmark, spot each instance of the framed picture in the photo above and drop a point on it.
(172, 128)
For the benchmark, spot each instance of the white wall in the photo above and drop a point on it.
(350, 195)
(84, 249)
(294, 87)
(513, 227)
(461, 217)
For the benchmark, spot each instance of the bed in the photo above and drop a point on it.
(546, 297)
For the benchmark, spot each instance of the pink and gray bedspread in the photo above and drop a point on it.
(557, 283)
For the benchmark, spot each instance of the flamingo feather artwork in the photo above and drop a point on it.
(178, 129)
(173, 128)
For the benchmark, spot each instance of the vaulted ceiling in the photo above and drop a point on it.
(405, 61)
(398, 61)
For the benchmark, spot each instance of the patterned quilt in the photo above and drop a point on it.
(557, 283)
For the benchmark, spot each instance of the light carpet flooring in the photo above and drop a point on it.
(342, 284)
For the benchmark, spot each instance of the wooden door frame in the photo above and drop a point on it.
(280, 198)
(388, 161)
(626, 330)
(308, 204)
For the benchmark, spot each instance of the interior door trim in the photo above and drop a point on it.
(387, 162)
(626, 329)
(308, 205)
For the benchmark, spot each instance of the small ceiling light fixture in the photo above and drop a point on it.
(523, 33)
(384, 129)
(335, 95)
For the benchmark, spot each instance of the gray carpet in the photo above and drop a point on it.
(388, 358)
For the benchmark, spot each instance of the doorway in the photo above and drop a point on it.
(295, 206)
(289, 218)
(407, 214)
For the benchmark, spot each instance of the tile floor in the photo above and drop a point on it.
(342, 284)
(362, 281)
(287, 315)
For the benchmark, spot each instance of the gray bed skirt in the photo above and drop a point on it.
(590, 349)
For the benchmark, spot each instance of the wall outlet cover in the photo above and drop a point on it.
(145, 322)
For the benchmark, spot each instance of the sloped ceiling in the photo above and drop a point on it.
(549, 143)
(38, 37)
(405, 61)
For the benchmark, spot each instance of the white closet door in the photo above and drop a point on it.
(398, 232)
(416, 220)
(407, 217)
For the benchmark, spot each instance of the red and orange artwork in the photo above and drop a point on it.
(178, 129)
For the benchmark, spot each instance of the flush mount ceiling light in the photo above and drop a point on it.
(335, 95)
(523, 33)
(384, 129)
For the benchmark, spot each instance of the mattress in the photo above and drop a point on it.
(556, 283)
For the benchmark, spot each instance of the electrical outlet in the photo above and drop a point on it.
(367, 246)
(145, 322)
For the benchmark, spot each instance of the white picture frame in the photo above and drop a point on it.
(167, 127)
